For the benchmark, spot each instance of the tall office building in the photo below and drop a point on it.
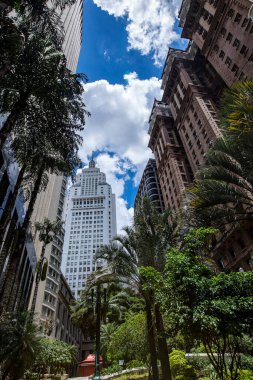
(71, 18)
(90, 223)
(49, 203)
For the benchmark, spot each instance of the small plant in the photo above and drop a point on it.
(135, 364)
(114, 368)
(180, 369)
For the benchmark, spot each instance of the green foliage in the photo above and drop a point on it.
(237, 108)
(129, 341)
(56, 355)
(114, 368)
(180, 369)
(19, 343)
(247, 362)
(222, 191)
(135, 364)
(245, 375)
(214, 309)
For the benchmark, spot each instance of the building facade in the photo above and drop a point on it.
(149, 187)
(49, 203)
(173, 168)
(223, 32)
(64, 329)
(90, 223)
(13, 294)
(184, 124)
(72, 20)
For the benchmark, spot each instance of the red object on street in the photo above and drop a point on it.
(87, 366)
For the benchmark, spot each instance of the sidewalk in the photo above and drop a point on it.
(78, 378)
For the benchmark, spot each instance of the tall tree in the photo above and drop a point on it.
(223, 189)
(41, 81)
(145, 244)
(214, 309)
(18, 344)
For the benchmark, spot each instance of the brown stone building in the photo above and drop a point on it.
(191, 88)
(184, 124)
(65, 330)
(223, 32)
(173, 168)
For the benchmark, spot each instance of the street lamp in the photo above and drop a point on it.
(98, 327)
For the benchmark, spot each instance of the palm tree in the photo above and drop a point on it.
(45, 160)
(122, 266)
(17, 27)
(144, 245)
(237, 109)
(47, 231)
(83, 316)
(18, 344)
(223, 189)
(40, 84)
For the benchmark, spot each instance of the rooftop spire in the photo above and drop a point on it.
(92, 163)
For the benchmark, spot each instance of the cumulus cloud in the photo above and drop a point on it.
(150, 24)
(116, 174)
(119, 124)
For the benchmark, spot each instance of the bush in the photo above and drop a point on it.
(135, 364)
(114, 368)
(247, 362)
(180, 369)
(245, 375)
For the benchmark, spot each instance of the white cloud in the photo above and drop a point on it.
(115, 169)
(119, 124)
(150, 23)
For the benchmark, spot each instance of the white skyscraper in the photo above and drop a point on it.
(90, 223)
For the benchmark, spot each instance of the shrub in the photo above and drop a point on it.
(114, 368)
(135, 364)
(245, 375)
(180, 369)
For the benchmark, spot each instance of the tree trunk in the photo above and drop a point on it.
(37, 279)
(8, 276)
(9, 124)
(10, 287)
(151, 341)
(163, 352)
(11, 203)
(34, 194)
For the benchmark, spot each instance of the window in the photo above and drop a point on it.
(231, 13)
(222, 55)
(236, 43)
(245, 21)
(223, 32)
(238, 17)
(244, 50)
(235, 69)
(216, 48)
(229, 37)
(228, 61)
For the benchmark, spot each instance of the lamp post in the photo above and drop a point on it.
(98, 325)
(98, 328)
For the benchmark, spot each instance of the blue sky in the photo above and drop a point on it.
(104, 52)
(125, 43)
